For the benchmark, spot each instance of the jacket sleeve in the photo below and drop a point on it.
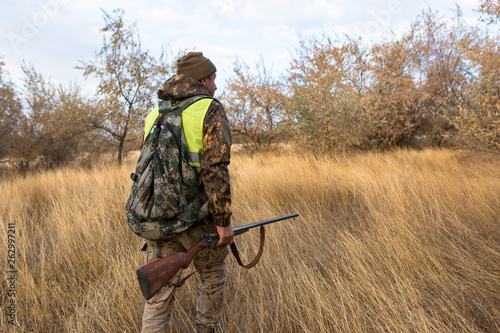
(215, 158)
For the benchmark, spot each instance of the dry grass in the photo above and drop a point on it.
(398, 242)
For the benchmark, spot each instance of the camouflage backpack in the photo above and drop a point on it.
(165, 198)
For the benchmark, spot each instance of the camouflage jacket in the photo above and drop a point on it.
(216, 151)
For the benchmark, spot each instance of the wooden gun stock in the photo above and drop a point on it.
(155, 275)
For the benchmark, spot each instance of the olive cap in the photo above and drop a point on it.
(195, 65)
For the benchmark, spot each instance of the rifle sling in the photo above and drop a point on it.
(257, 257)
(236, 256)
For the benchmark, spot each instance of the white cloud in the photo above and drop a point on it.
(290, 12)
(223, 29)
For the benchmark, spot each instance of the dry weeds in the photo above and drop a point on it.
(398, 242)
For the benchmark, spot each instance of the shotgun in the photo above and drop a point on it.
(153, 276)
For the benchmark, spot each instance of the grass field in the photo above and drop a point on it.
(404, 241)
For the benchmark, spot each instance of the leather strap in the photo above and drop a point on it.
(236, 256)
(257, 257)
(183, 280)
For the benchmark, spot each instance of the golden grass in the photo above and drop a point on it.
(397, 242)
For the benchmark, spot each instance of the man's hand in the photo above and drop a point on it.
(225, 235)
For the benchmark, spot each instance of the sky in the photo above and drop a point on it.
(56, 35)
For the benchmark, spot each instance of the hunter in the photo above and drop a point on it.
(207, 130)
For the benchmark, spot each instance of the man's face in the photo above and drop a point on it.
(209, 83)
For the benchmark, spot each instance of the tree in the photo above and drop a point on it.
(68, 132)
(479, 120)
(327, 80)
(391, 114)
(439, 84)
(490, 8)
(28, 140)
(53, 128)
(254, 103)
(10, 111)
(128, 76)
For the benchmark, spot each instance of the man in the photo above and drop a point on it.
(196, 76)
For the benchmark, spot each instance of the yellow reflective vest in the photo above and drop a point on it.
(192, 122)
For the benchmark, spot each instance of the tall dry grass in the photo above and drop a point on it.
(398, 242)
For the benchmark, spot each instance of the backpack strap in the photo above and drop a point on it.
(154, 245)
(185, 103)
(164, 107)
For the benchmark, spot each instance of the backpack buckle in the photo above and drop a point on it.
(164, 106)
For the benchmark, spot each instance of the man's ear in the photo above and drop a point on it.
(204, 81)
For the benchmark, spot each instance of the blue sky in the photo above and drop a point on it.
(54, 35)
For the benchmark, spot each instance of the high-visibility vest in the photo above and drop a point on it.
(192, 123)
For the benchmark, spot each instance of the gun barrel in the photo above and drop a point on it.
(153, 276)
(242, 229)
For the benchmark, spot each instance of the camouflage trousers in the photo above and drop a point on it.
(212, 280)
